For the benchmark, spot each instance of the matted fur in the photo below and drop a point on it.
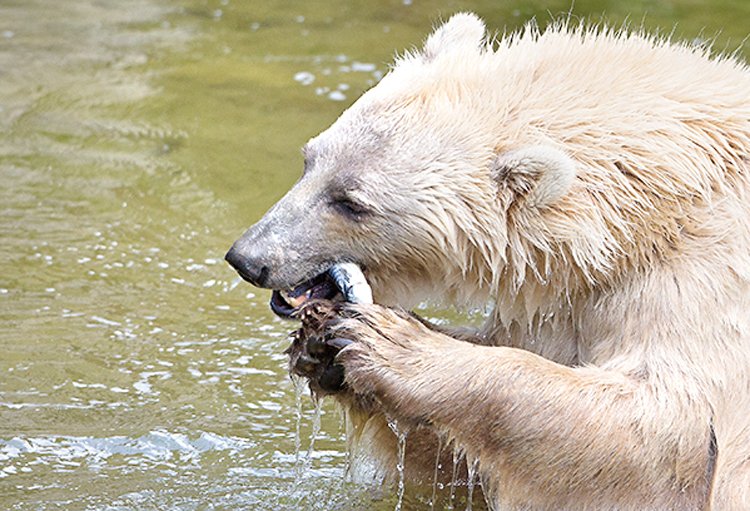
(656, 129)
(638, 275)
(614, 371)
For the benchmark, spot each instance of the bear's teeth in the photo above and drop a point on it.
(352, 282)
(295, 301)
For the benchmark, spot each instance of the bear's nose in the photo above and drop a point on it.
(250, 269)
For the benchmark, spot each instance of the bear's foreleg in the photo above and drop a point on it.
(546, 435)
(312, 356)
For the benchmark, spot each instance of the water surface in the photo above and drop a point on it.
(137, 140)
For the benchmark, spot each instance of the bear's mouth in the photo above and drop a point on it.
(286, 303)
(341, 282)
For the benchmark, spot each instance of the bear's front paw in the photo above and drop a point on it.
(327, 328)
(381, 358)
(312, 353)
(383, 348)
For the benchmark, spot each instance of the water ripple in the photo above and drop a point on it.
(157, 445)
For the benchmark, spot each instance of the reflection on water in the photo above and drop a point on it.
(137, 140)
(162, 449)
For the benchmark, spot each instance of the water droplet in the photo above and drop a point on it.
(365, 67)
(435, 475)
(472, 470)
(400, 462)
(336, 95)
(457, 455)
(298, 390)
(313, 434)
(304, 77)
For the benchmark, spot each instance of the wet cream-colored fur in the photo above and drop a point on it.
(594, 185)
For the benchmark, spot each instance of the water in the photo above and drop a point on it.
(313, 434)
(137, 140)
(436, 472)
(299, 389)
(401, 435)
(472, 471)
(457, 456)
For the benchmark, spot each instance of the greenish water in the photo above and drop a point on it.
(138, 139)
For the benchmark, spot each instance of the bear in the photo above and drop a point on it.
(593, 186)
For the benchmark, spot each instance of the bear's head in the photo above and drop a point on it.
(413, 184)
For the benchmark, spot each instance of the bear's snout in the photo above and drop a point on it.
(250, 268)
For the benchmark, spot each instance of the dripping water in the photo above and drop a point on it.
(298, 391)
(349, 428)
(401, 436)
(457, 454)
(489, 494)
(314, 433)
(304, 466)
(472, 469)
(435, 474)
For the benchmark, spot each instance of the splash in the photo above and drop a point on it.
(299, 389)
(489, 493)
(473, 469)
(401, 436)
(433, 498)
(302, 468)
(349, 428)
(314, 434)
(457, 455)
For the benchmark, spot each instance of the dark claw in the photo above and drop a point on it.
(339, 342)
(295, 337)
(332, 379)
(306, 365)
(312, 355)
(317, 347)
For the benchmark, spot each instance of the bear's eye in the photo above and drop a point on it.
(349, 208)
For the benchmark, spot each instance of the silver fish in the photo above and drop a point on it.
(352, 282)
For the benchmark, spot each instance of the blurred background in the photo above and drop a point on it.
(138, 139)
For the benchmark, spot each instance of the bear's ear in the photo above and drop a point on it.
(539, 174)
(463, 31)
